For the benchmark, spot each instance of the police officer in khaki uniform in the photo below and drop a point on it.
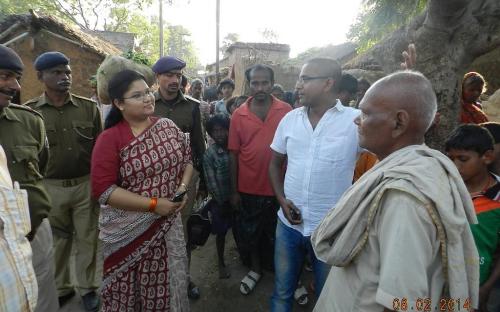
(184, 111)
(73, 124)
(22, 135)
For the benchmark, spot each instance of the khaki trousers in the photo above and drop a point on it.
(73, 218)
(43, 264)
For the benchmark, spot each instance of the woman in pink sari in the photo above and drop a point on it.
(139, 163)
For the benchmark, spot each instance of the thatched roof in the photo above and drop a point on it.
(33, 24)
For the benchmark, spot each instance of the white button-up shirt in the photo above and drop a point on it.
(321, 161)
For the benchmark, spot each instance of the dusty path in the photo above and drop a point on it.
(220, 295)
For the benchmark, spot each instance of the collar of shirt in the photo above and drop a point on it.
(180, 97)
(8, 114)
(244, 109)
(337, 107)
(44, 100)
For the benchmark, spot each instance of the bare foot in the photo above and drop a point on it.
(223, 272)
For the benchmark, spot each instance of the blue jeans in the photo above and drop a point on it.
(289, 253)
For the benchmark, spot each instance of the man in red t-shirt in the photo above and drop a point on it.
(250, 136)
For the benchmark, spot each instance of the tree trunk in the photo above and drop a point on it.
(449, 35)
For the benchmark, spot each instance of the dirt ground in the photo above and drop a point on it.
(220, 295)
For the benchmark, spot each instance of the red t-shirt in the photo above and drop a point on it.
(251, 138)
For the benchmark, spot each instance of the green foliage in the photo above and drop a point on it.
(147, 32)
(116, 15)
(88, 14)
(379, 18)
(138, 57)
(179, 45)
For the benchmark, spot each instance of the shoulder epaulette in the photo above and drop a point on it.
(32, 101)
(26, 108)
(82, 98)
(192, 98)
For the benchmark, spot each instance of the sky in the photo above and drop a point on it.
(301, 24)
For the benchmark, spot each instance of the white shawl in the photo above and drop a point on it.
(344, 231)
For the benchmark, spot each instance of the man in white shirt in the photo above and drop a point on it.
(320, 143)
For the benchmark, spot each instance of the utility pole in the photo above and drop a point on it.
(161, 27)
(217, 22)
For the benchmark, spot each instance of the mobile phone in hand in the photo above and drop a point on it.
(178, 197)
(295, 214)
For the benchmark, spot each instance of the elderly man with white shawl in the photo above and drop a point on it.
(399, 239)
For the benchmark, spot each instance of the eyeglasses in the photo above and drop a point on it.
(140, 97)
(303, 79)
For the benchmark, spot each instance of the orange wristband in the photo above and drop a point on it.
(152, 204)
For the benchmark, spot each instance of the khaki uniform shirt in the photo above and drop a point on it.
(185, 113)
(72, 130)
(22, 135)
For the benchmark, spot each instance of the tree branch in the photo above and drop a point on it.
(487, 16)
(488, 45)
(120, 19)
(82, 14)
(61, 9)
(96, 14)
(447, 15)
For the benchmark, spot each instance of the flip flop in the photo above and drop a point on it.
(248, 282)
(300, 295)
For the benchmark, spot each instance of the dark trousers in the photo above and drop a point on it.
(255, 228)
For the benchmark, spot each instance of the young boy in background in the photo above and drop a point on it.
(494, 129)
(470, 147)
(217, 180)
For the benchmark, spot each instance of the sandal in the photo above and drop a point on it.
(248, 282)
(300, 295)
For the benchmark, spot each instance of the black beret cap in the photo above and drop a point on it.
(10, 60)
(50, 59)
(168, 63)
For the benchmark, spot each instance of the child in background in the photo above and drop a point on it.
(470, 147)
(494, 129)
(216, 171)
(473, 85)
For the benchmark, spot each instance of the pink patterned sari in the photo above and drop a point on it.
(145, 263)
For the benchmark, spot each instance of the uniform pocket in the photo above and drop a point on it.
(84, 134)
(84, 130)
(50, 129)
